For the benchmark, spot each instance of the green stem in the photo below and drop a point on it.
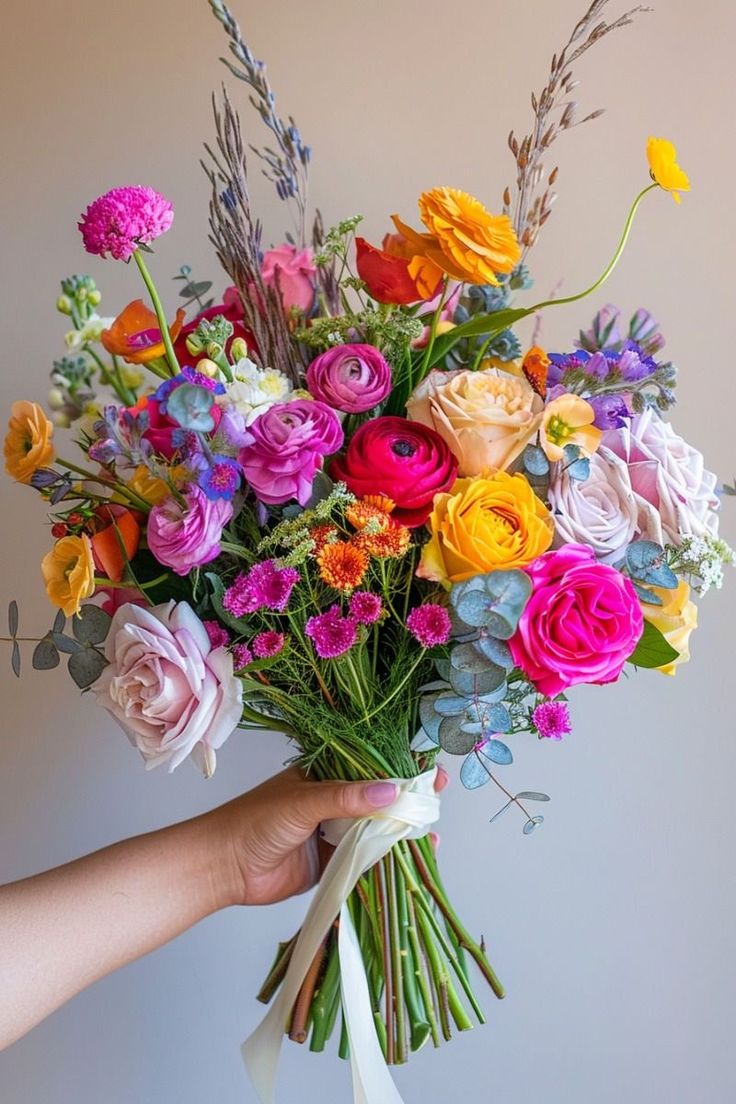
(163, 325)
(396, 964)
(419, 972)
(433, 330)
(420, 1029)
(113, 378)
(327, 999)
(107, 481)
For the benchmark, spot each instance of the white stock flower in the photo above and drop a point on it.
(255, 389)
(89, 332)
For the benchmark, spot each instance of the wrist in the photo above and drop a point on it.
(223, 869)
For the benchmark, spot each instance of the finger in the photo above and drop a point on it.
(442, 779)
(318, 801)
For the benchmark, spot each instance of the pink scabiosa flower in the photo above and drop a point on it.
(552, 719)
(331, 633)
(186, 536)
(121, 220)
(265, 586)
(219, 636)
(430, 624)
(242, 656)
(366, 607)
(267, 644)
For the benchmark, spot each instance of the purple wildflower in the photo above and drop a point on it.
(219, 636)
(611, 411)
(365, 606)
(242, 656)
(552, 719)
(267, 644)
(124, 218)
(430, 624)
(220, 478)
(331, 633)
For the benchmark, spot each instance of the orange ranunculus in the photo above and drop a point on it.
(69, 574)
(29, 441)
(116, 541)
(568, 420)
(465, 240)
(483, 524)
(386, 274)
(135, 335)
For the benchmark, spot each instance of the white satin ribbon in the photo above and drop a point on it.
(360, 844)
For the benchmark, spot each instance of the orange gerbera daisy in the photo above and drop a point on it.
(388, 544)
(135, 335)
(370, 511)
(322, 535)
(343, 565)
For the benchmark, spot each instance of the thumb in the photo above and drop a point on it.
(332, 800)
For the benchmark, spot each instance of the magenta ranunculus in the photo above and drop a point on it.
(285, 449)
(581, 623)
(294, 271)
(185, 537)
(351, 378)
(171, 690)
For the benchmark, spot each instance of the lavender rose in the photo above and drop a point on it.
(173, 694)
(351, 378)
(184, 537)
(669, 475)
(285, 448)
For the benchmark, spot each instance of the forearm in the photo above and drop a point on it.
(62, 930)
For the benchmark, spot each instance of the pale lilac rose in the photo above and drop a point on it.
(350, 378)
(286, 447)
(670, 476)
(600, 511)
(183, 537)
(294, 271)
(172, 692)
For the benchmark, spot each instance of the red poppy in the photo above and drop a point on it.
(385, 273)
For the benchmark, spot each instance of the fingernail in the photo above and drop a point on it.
(379, 794)
(435, 838)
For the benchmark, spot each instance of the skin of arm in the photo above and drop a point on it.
(64, 929)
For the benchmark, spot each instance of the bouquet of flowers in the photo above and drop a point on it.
(346, 505)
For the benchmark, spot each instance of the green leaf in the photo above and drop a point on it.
(652, 649)
(13, 618)
(45, 655)
(86, 666)
(91, 625)
(15, 659)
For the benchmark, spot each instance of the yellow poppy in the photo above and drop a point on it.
(663, 167)
(29, 441)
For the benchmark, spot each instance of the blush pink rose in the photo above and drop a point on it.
(581, 623)
(183, 537)
(173, 694)
(294, 271)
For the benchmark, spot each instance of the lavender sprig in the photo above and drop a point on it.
(287, 167)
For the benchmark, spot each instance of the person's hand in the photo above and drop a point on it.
(268, 837)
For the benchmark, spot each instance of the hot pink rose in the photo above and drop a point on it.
(351, 378)
(173, 694)
(581, 623)
(285, 448)
(185, 537)
(295, 271)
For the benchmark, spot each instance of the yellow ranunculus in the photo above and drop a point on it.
(465, 240)
(29, 441)
(69, 574)
(663, 167)
(485, 523)
(675, 618)
(568, 420)
(144, 483)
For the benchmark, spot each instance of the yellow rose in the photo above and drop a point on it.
(568, 420)
(485, 417)
(482, 524)
(29, 441)
(675, 618)
(68, 571)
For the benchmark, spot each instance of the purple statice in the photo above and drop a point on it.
(430, 624)
(552, 719)
(611, 411)
(220, 478)
(331, 633)
(242, 656)
(606, 332)
(267, 644)
(265, 586)
(219, 636)
(366, 607)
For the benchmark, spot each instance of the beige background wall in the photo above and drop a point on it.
(613, 927)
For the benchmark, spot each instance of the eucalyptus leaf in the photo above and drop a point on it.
(468, 684)
(91, 625)
(15, 659)
(45, 655)
(59, 621)
(498, 719)
(497, 752)
(532, 825)
(450, 705)
(645, 595)
(531, 795)
(464, 657)
(534, 460)
(452, 738)
(497, 651)
(13, 618)
(473, 773)
(190, 407)
(646, 562)
(66, 644)
(86, 666)
(443, 668)
(652, 650)
(430, 719)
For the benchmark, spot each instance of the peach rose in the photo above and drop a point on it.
(485, 417)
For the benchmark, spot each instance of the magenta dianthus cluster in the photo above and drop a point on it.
(219, 636)
(331, 633)
(267, 644)
(242, 656)
(124, 218)
(366, 607)
(552, 719)
(430, 624)
(265, 586)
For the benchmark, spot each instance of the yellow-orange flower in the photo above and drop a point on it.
(29, 441)
(148, 486)
(663, 167)
(322, 535)
(135, 335)
(69, 574)
(342, 565)
(465, 240)
(675, 618)
(386, 544)
(568, 420)
(485, 523)
(363, 514)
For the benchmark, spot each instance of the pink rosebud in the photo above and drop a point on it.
(351, 378)
(293, 271)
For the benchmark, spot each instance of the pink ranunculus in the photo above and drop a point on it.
(350, 378)
(669, 475)
(183, 537)
(285, 449)
(581, 623)
(295, 272)
(173, 694)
